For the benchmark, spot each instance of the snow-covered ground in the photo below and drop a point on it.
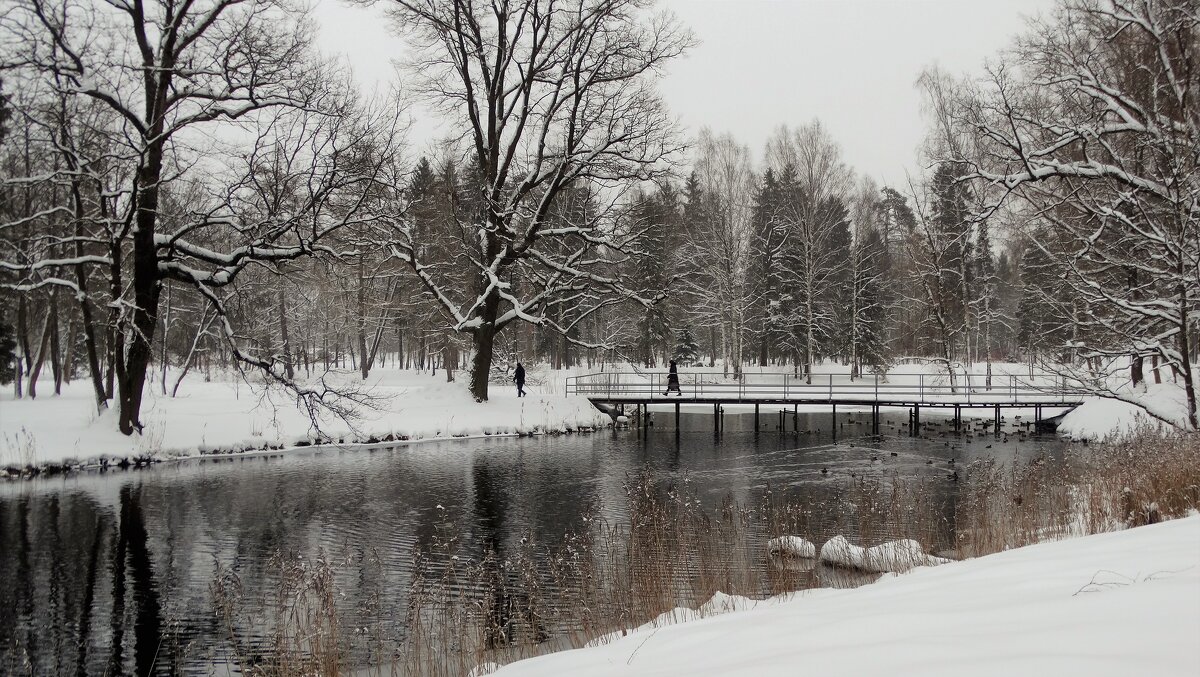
(232, 416)
(1120, 604)
(1098, 418)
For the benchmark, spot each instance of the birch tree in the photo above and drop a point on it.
(816, 223)
(719, 243)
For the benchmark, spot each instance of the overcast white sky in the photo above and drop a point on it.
(762, 63)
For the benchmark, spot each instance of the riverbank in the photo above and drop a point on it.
(1114, 604)
(232, 417)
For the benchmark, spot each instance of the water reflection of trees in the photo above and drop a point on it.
(73, 563)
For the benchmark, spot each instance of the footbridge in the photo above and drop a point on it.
(911, 391)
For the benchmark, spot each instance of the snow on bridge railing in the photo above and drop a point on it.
(907, 387)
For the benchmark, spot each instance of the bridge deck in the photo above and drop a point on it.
(891, 390)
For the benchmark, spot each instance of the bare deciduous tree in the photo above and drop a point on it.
(549, 95)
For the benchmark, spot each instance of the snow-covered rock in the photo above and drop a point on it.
(792, 546)
(895, 556)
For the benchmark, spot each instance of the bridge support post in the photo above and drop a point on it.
(755, 418)
(833, 419)
(717, 418)
(875, 419)
(997, 422)
(676, 418)
(957, 418)
(916, 420)
(796, 418)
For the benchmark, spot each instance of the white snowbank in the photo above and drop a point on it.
(719, 604)
(1112, 605)
(792, 546)
(895, 556)
(231, 416)
(1098, 418)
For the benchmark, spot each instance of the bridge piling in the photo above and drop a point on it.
(833, 420)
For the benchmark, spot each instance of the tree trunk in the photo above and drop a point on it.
(166, 333)
(283, 337)
(482, 340)
(401, 361)
(482, 343)
(39, 358)
(23, 332)
(146, 290)
(55, 346)
(68, 356)
(112, 346)
(1189, 378)
(361, 323)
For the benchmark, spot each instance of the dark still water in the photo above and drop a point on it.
(113, 573)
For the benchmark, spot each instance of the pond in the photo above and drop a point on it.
(113, 573)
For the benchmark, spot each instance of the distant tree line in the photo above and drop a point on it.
(191, 188)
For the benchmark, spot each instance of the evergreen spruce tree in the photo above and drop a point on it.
(687, 351)
(765, 257)
(953, 227)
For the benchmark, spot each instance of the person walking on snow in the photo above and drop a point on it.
(519, 377)
(673, 380)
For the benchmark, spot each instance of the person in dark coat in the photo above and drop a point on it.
(673, 380)
(519, 377)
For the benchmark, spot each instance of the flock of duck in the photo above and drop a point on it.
(1016, 429)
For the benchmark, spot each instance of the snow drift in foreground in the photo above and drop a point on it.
(1116, 604)
(230, 416)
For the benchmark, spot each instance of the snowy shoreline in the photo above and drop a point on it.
(213, 420)
(49, 469)
(1116, 603)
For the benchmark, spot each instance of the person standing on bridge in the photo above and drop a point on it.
(673, 380)
(519, 377)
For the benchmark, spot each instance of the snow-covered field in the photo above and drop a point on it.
(1120, 604)
(232, 416)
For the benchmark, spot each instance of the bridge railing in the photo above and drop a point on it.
(832, 387)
